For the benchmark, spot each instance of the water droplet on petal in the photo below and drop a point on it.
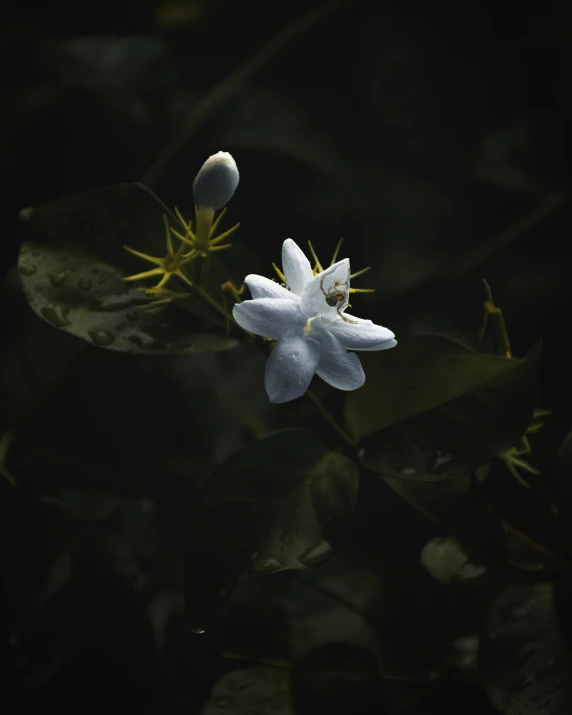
(27, 269)
(103, 338)
(58, 278)
(84, 283)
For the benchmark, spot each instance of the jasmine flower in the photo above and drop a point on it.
(307, 317)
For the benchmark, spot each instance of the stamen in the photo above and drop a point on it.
(315, 257)
(146, 274)
(216, 223)
(226, 234)
(279, 273)
(144, 256)
(335, 256)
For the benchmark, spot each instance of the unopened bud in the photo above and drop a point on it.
(216, 181)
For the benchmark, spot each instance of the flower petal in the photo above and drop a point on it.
(269, 317)
(362, 334)
(337, 366)
(261, 287)
(335, 279)
(296, 267)
(291, 367)
(216, 181)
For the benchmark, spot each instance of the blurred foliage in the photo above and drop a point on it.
(404, 568)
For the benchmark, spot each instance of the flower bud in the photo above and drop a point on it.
(216, 181)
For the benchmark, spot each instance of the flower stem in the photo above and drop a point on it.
(204, 295)
(232, 84)
(331, 419)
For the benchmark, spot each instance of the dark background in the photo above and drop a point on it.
(434, 138)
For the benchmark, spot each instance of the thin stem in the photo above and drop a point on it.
(202, 293)
(231, 84)
(331, 419)
(524, 223)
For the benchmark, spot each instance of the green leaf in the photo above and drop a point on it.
(337, 678)
(72, 264)
(440, 487)
(521, 655)
(259, 689)
(470, 404)
(281, 503)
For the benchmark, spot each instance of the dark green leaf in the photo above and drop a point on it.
(470, 404)
(89, 299)
(439, 486)
(251, 690)
(337, 678)
(72, 266)
(521, 657)
(281, 503)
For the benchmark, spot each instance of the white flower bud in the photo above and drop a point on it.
(216, 181)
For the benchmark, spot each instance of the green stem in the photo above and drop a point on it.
(203, 295)
(331, 419)
(234, 83)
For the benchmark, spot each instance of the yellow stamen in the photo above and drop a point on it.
(220, 248)
(226, 234)
(146, 274)
(179, 273)
(189, 239)
(517, 476)
(144, 256)
(279, 273)
(216, 223)
(360, 273)
(335, 256)
(362, 290)
(187, 225)
(168, 239)
(315, 257)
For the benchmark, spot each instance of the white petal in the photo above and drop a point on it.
(334, 280)
(337, 366)
(269, 317)
(296, 266)
(216, 181)
(362, 335)
(291, 367)
(261, 287)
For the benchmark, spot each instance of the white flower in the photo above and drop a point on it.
(306, 320)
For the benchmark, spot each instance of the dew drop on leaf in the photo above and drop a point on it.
(56, 315)
(58, 278)
(102, 338)
(27, 269)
